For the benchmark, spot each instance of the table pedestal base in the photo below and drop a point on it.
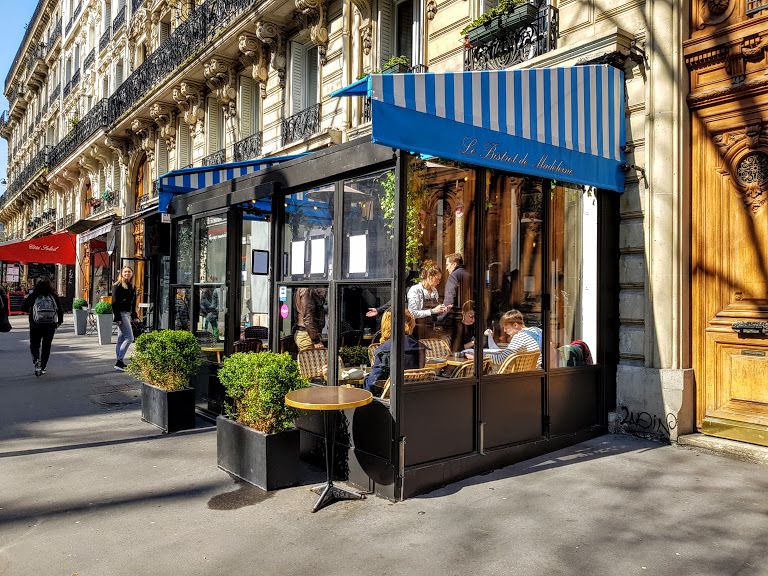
(330, 493)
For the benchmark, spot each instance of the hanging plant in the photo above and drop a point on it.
(413, 228)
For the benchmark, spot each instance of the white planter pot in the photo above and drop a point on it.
(104, 323)
(81, 321)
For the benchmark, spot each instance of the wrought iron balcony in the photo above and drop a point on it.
(75, 78)
(37, 118)
(69, 219)
(55, 35)
(215, 158)
(301, 125)
(99, 205)
(366, 109)
(532, 29)
(94, 120)
(23, 178)
(54, 95)
(68, 27)
(136, 5)
(90, 59)
(193, 36)
(119, 20)
(248, 148)
(77, 11)
(105, 38)
(3, 120)
(67, 88)
(37, 52)
(144, 200)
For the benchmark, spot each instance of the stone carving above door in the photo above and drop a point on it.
(714, 12)
(745, 159)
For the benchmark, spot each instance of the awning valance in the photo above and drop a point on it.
(560, 123)
(188, 180)
(51, 249)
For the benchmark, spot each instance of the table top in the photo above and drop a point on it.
(328, 398)
(212, 348)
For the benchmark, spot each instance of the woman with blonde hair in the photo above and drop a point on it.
(123, 311)
(414, 353)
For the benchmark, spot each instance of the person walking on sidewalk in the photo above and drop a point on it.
(123, 311)
(45, 315)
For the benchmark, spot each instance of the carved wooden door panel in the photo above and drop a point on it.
(729, 258)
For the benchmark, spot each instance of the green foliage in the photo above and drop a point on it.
(103, 308)
(396, 61)
(79, 304)
(354, 355)
(258, 383)
(166, 359)
(503, 7)
(413, 226)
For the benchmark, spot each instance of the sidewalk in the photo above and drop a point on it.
(87, 488)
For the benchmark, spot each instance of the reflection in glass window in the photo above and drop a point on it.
(212, 246)
(181, 309)
(254, 292)
(308, 236)
(184, 252)
(212, 310)
(303, 329)
(513, 273)
(369, 204)
(440, 233)
(573, 318)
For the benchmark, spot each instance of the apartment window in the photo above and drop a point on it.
(305, 71)
(249, 106)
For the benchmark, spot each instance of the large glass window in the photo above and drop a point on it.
(303, 328)
(210, 275)
(308, 234)
(513, 277)
(573, 249)
(184, 252)
(369, 204)
(254, 275)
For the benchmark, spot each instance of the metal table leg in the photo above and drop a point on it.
(328, 492)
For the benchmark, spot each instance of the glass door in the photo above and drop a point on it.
(142, 280)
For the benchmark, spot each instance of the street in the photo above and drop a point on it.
(87, 488)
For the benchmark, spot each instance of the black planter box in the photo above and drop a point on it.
(502, 24)
(169, 411)
(269, 461)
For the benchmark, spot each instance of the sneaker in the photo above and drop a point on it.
(38, 368)
(120, 365)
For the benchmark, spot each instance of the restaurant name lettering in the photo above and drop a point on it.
(491, 151)
(43, 248)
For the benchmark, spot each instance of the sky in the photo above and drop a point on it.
(16, 14)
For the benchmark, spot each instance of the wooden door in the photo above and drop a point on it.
(730, 271)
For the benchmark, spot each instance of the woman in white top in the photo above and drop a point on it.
(424, 301)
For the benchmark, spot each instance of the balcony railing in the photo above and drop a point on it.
(20, 49)
(216, 158)
(55, 35)
(189, 39)
(105, 38)
(68, 27)
(75, 77)
(99, 205)
(23, 178)
(67, 88)
(69, 219)
(301, 125)
(755, 6)
(3, 120)
(54, 95)
(94, 120)
(136, 5)
(36, 53)
(248, 148)
(47, 217)
(77, 11)
(506, 45)
(145, 199)
(90, 59)
(119, 20)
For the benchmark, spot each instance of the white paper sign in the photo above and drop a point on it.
(358, 254)
(317, 256)
(297, 258)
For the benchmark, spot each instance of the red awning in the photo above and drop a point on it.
(51, 249)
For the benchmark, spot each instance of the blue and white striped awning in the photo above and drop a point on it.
(560, 123)
(188, 180)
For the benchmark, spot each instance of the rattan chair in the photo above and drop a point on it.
(313, 364)
(372, 351)
(520, 362)
(248, 345)
(414, 375)
(436, 347)
(465, 370)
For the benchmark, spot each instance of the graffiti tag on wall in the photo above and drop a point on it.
(647, 423)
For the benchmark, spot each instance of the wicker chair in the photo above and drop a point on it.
(414, 375)
(520, 362)
(258, 332)
(372, 351)
(465, 370)
(314, 364)
(436, 347)
(248, 345)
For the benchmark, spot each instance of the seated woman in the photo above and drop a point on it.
(522, 338)
(414, 353)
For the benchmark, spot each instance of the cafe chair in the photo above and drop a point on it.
(520, 362)
(372, 351)
(465, 370)
(204, 337)
(414, 375)
(436, 347)
(256, 332)
(248, 345)
(288, 344)
(313, 364)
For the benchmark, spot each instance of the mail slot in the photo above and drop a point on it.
(749, 328)
(753, 353)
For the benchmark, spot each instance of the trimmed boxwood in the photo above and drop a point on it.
(103, 308)
(165, 359)
(79, 304)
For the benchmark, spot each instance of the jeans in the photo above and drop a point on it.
(124, 336)
(38, 333)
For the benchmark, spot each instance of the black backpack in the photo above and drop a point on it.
(44, 310)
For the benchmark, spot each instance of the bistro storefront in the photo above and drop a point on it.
(514, 172)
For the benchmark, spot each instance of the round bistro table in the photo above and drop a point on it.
(330, 400)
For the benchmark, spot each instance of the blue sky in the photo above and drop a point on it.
(15, 17)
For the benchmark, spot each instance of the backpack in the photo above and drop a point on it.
(44, 311)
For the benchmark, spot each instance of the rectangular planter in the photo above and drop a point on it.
(269, 461)
(169, 411)
(104, 324)
(502, 24)
(81, 321)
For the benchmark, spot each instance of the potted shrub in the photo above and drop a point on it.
(354, 355)
(396, 65)
(164, 361)
(103, 311)
(257, 440)
(80, 310)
